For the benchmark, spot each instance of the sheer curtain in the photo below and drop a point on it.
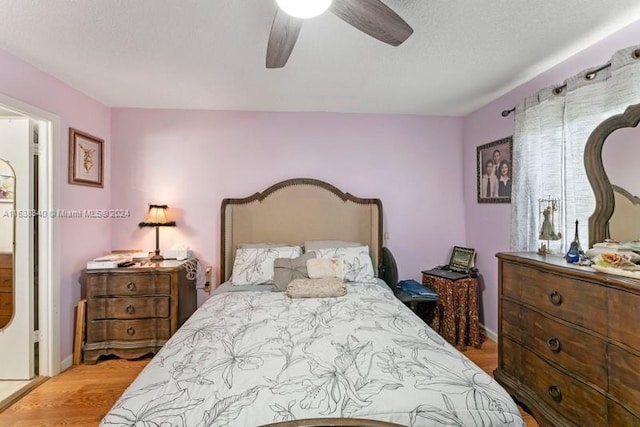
(551, 131)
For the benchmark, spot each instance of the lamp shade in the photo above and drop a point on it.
(157, 217)
(304, 8)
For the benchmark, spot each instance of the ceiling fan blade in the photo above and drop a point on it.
(374, 18)
(284, 33)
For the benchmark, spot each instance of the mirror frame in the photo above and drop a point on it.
(596, 174)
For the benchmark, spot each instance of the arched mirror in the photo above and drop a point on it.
(7, 241)
(611, 162)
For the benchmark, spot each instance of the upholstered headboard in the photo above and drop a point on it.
(295, 211)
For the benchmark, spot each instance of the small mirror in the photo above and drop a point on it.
(7, 241)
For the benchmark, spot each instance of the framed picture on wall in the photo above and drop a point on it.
(494, 171)
(85, 159)
(7, 188)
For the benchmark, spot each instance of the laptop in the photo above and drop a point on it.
(461, 261)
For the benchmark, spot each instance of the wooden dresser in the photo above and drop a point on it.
(134, 311)
(569, 341)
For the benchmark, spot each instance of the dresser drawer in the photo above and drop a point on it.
(624, 311)
(128, 308)
(124, 285)
(581, 404)
(620, 417)
(576, 351)
(624, 377)
(128, 330)
(511, 358)
(510, 282)
(510, 321)
(570, 299)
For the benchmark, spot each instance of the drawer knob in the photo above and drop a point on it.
(555, 298)
(131, 331)
(555, 393)
(554, 344)
(131, 286)
(130, 309)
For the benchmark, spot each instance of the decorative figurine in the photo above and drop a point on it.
(575, 250)
(548, 208)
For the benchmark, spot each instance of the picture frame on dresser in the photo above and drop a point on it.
(86, 159)
(495, 188)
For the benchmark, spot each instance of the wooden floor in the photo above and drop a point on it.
(82, 395)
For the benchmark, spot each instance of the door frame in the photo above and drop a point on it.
(49, 173)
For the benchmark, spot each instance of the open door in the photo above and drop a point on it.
(17, 219)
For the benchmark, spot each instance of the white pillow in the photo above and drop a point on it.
(254, 266)
(355, 263)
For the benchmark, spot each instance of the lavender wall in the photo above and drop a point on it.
(80, 238)
(487, 225)
(191, 160)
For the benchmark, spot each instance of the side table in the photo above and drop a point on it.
(456, 314)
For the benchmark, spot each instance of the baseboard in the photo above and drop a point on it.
(490, 334)
(66, 363)
(14, 397)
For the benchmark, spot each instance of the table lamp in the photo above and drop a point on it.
(157, 217)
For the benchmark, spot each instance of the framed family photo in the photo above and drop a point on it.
(85, 159)
(494, 172)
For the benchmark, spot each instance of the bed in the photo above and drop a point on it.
(250, 356)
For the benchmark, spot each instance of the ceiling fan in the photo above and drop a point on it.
(372, 17)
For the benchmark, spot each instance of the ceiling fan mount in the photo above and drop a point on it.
(372, 17)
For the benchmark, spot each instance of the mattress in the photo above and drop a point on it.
(255, 357)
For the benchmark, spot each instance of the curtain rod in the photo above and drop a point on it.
(588, 76)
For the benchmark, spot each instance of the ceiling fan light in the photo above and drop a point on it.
(304, 8)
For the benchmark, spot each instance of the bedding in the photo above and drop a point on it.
(254, 265)
(355, 262)
(256, 357)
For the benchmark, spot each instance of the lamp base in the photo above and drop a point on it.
(156, 258)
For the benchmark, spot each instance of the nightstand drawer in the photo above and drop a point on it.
(128, 330)
(128, 308)
(126, 285)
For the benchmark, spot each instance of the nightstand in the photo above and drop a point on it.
(456, 314)
(133, 311)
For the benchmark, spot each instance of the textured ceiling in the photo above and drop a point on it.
(210, 54)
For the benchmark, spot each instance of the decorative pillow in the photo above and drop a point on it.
(323, 267)
(316, 288)
(287, 269)
(254, 266)
(355, 263)
(312, 245)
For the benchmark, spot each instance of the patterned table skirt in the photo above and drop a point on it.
(456, 314)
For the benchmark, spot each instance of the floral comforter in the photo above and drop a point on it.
(252, 358)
